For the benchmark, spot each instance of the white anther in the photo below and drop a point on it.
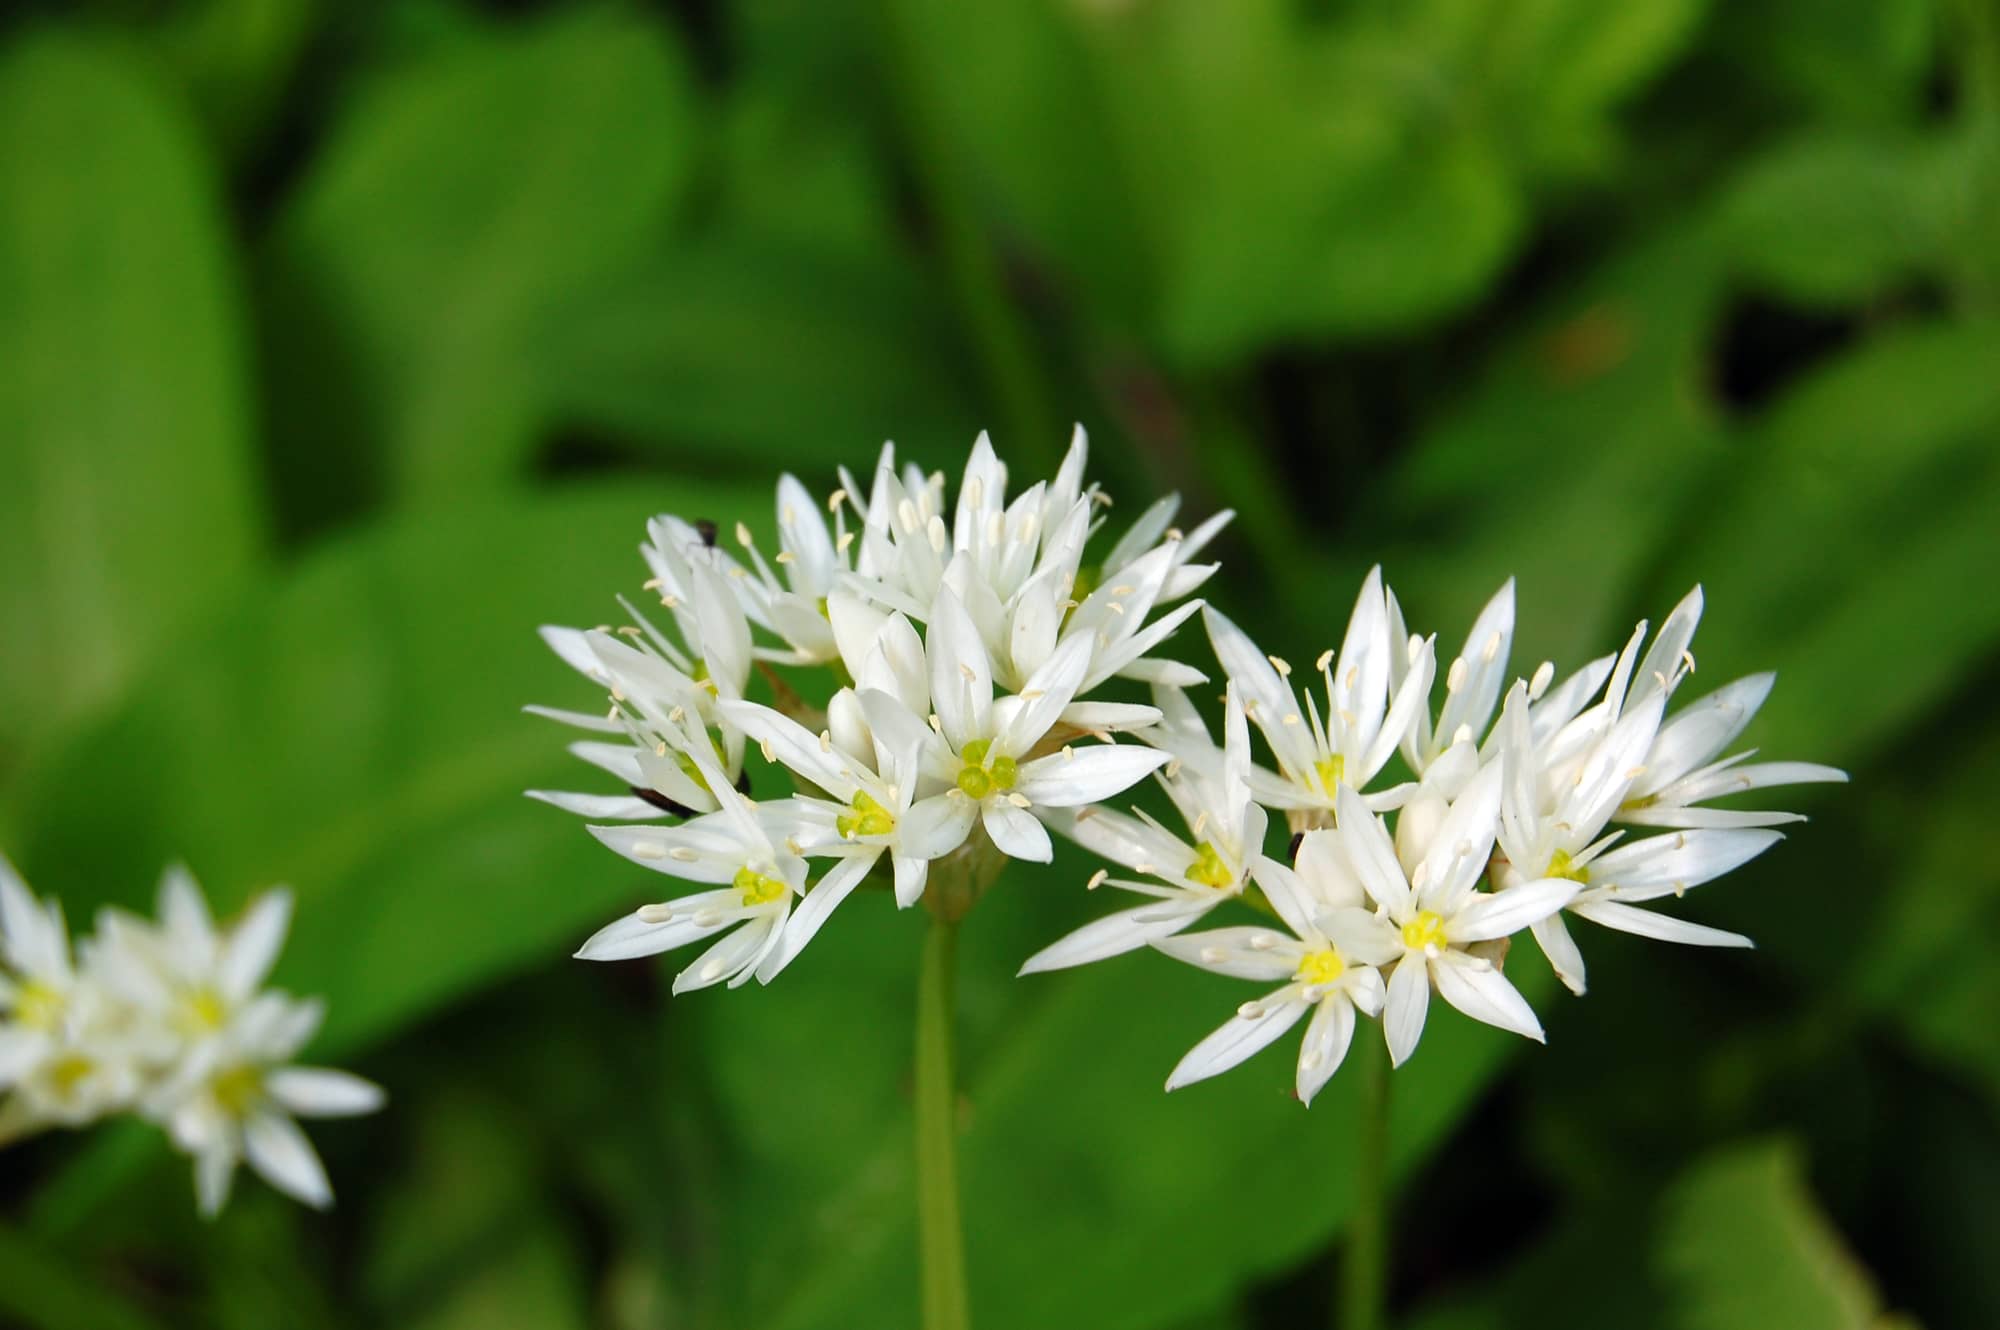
(655, 914)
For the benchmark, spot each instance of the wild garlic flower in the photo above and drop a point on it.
(1621, 759)
(1225, 825)
(1318, 754)
(169, 1020)
(965, 639)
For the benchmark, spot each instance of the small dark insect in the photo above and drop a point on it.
(1292, 850)
(706, 530)
(661, 802)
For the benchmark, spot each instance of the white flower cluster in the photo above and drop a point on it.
(968, 654)
(170, 1021)
(970, 638)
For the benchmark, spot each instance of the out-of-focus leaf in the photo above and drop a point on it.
(537, 1280)
(1589, 1272)
(458, 202)
(1558, 69)
(236, 59)
(1851, 515)
(127, 502)
(1834, 220)
(1565, 463)
(762, 350)
(1743, 1246)
(1082, 1180)
(354, 728)
(1858, 61)
(39, 1290)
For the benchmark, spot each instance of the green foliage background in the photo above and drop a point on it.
(341, 344)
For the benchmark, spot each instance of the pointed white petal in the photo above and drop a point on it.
(283, 1156)
(1113, 935)
(1483, 993)
(1403, 1011)
(1086, 775)
(1489, 915)
(254, 944)
(1325, 1045)
(1651, 923)
(322, 1092)
(1235, 1041)
(1016, 833)
(1241, 952)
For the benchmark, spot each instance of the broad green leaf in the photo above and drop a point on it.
(762, 352)
(354, 728)
(1743, 1246)
(458, 201)
(127, 499)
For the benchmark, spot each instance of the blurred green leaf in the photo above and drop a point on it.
(1850, 515)
(40, 1290)
(536, 1280)
(1834, 221)
(762, 351)
(1072, 1158)
(355, 729)
(459, 201)
(1849, 60)
(236, 58)
(1743, 1246)
(127, 499)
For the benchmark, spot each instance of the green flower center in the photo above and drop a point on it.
(1330, 771)
(1209, 870)
(757, 889)
(980, 777)
(866, 818)
(1562, 866)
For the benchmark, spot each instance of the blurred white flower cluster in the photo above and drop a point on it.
(170, 1021)
(973, 648)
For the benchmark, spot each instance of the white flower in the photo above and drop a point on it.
(1685, 766)
(235, 1098)
(1472, 682)
(186, 978)
(1327, 966)
(982, 750)
(1226, 824)
(1363, 724)
(1431, 913)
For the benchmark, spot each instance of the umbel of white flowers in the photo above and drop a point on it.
(169, 1021)
(971, 642)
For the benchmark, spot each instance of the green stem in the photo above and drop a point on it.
(940, 1238)
(1364, 1271)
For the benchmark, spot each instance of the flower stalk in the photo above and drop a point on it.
(940, 1235)
(1363, 1295)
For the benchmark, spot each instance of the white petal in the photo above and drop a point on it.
(612, 807)
(1699, 732)
(1365, 843)
(1325, 1045)
(1241, 952)
(911, 875)
(818, 906)
(1113, 935)
(1552, 936)
(1651, 923)
(1016, 833)
(704, 850)
(255, 942)
(1488, 915)
(1403, 1011)
(1287, 894)
(1086, 775)
(1109, 717)
(794, 747)
(283, 1156)
(936, 826)
(1235, 1041)
(1266, 698)
(961, 674)
(1483, 993)
(322, 1092)
(1463, 844)
(634, 936)
(1667, 865)
(214, 1168)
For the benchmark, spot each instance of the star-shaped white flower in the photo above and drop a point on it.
(1193, 877)
(1327, 965)
(1432, 914)
(1349, 745)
